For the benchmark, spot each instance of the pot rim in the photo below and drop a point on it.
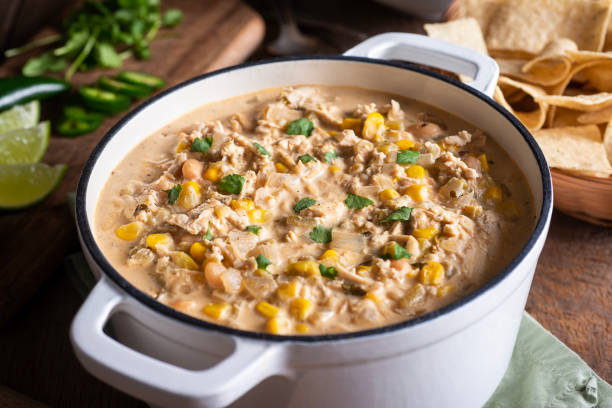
(95, 252)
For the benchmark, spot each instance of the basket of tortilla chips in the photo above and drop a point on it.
(555, 59)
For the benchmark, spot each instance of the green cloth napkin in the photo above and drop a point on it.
(543, 372)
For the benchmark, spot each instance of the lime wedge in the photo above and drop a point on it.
(22, 146)
(20, 116)
(22, 185)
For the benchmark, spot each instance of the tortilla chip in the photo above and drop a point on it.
(552, 65)
(587, 103)
(533, 119)
(564, 117)
(465, 32)
(528, 25)
(481, 10)
(607, 141)
(582, 56)
(576, 149)
(596, 117)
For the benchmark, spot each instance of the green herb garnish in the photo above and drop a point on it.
(305, 158)
(208, 236)
(201, 145)
(403, 214)
(321, 234)
(357, 202)
(261, 149)
(352, 289)
(172, 17)
(262, 262)
(173, 193)
(328, 272)
(330, 156)
(253, 229)
(407, 157)
(399, 252)
(303, 204)
(301, 126)
(232, 184)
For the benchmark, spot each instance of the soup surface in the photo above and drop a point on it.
(313, 210)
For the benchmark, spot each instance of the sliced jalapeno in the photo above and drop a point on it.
(74, 127)
(124, 88)
(78, 113)
(142, 79)
(104, 101)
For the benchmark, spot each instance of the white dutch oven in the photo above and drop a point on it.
(452, 357)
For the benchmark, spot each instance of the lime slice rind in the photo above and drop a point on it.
(20, 116)
(22, 185)
(22, 146)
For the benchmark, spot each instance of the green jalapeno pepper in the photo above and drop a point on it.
(103, 101)
(140, 78)
(124, 88)
(19, 90)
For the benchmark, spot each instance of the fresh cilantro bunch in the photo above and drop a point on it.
(100, 34)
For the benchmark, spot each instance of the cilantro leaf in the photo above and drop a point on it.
(173, 193)
(253, 229)
(303, 204)
(261, 149)
(232, 184)
(321, 234)
(106, 56)
(328, 272)
(201, 145)
(357, 202)
(407, 157)
(301, 126)
(47, 62)
(403, 214)
(352, 289)
(262, 262)
(399, 252)
(330, 156)
(172, 17)
(208, 236)
(305, 158)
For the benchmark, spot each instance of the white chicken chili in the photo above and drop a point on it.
(313, 209)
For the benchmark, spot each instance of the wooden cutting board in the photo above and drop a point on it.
(213, 34)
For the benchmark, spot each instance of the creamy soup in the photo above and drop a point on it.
(312, 210)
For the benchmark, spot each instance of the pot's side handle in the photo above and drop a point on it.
(154, 380)
(432, 52)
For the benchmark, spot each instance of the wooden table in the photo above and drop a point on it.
(571, 293)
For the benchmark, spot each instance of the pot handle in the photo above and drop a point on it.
(154, 380)
(429, 51)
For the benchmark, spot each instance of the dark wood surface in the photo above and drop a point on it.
(571, 294)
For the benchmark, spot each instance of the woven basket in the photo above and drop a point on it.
(583, 197)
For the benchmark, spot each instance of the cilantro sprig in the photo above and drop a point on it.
(305, 158)
(397, 252)
(263, 262)
(253, 229)
(403, 214)
(328, 272)
(321, 235)
(301, 126)
(232, 184)
(407, 157)
(208, 236)
(330, 156)
(201, 145)
(303, 204)
(357, 202)
(173, 193)
(262, 150)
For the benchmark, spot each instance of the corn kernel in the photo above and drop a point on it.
(443, 290)
(129, 232)
(257, 215)
(299, 308)
(411, 273)
(415, 171)
(372, 297)
(405, 144)
(222, 211)
(389, 249)
(332, 133)
(432, 273)
(287, 291)
(334, 169)
(388, 194)
(301, 328)
(509, 208)
(385, 148)
(308, 268)
(351, 123)
(243, 204)
(484, 164)
(155, 240)
(182, 260)
(280, 167)
(394, 124)
(396, 179)
(494, 193)
(363, 269)
(197, 251)
(329, 254)
(267, 309)
(472, 211)
(418, 192)
(425, 233)
(212, 174)
(189, 196)
(181, 146)
(273, 326)
(215, 310)
(374, 126)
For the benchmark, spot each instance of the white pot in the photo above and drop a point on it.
(452, 357)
